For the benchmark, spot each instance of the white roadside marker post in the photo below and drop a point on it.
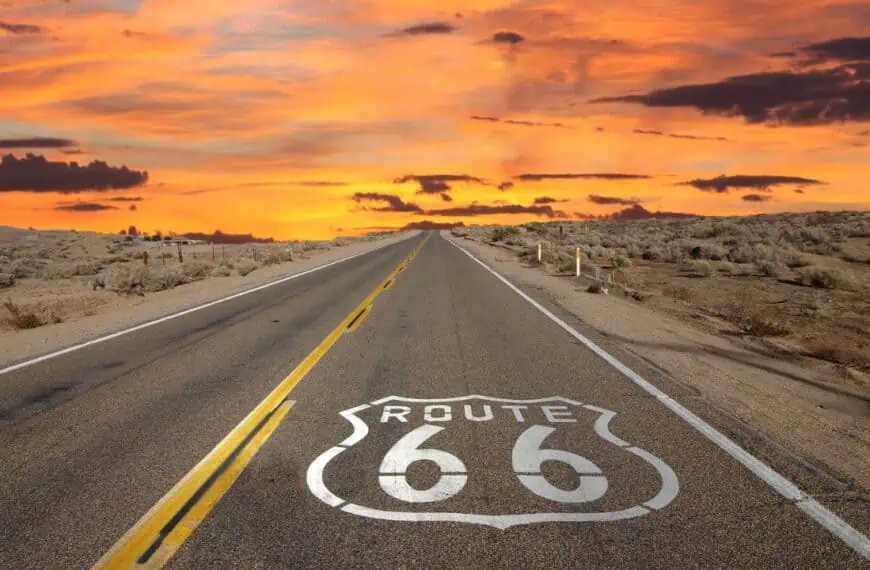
(578, 262)
(539, 252)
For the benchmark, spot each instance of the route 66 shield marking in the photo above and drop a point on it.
(420, 426)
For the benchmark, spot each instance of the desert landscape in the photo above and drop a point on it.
(798, 282)
(51, 277)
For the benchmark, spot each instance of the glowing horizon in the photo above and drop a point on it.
(296, 119)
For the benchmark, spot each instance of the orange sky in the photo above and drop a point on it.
(269, 116)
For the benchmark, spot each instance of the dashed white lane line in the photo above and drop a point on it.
(815, 510)
(171, 316)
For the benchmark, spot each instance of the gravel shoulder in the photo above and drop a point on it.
(821, 418)
(116, 312)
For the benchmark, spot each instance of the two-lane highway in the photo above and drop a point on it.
(405, 408)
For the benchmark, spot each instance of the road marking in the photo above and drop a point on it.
(815, 510)
(169, 317)
(525, 457)
(152, 541)
(358, 319)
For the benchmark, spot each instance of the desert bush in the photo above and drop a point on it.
(795, 259)
(848, 355)
(20, 317)
(771, 268)
(167, 278)
(88, 268)
(245, 266)
(193, 270)
(594, 288)
(702, 267)
(634, 251)
(24, 267)
(6, 280)
(714, 252)
(620, 261)
(682, 294)
(221, 271)
(653, 254)
(816, 235)
(128, 279)
(502, 232)
(826, 278)
(854, 256)
(753, 318)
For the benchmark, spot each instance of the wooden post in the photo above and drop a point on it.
(180, 255)
(145, 257)
(212, 252)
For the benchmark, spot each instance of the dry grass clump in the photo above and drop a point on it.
(771, 268)
(221, 271)
(19, 317)
(6, 280)
(141, 279)
(857, 357)
(753, 318)
(827, 278)
(245, 266)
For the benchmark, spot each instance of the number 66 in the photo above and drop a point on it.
(527, 458)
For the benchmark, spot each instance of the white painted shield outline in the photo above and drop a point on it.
(667, 493)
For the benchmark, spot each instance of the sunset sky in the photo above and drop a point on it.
(308, 119)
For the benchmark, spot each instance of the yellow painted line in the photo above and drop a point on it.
(357, 323)
(152, 541)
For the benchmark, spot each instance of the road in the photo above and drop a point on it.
(476, 432)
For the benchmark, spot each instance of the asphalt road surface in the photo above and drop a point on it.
(422, 414)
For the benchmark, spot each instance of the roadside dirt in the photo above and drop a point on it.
(812, 409)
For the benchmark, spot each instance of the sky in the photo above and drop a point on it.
(310, 119)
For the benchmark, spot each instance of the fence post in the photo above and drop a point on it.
(539, 252)
(212, 252)
(180, 256)
(578, 262)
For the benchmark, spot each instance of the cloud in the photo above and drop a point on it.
(36, 142)
(722, 184)
(799, 191)
(36, 174)
(20, 29)
(679, 136)
(756, 198)
(584, 176)
(428, 28)
(547, 200)
(393, 202)
(487, 210)
(133, 207)
(437, 183)
(72, 151)
(507, 185)
(125, 199)
(84, 207)
(516, 122)
(511, 38)
(817, 97)
(611, 200)
(840, 49)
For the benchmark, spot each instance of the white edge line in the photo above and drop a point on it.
(815, 510)
(171, 316)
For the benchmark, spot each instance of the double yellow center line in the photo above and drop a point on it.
(156, 537)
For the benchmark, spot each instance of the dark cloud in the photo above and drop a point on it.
(428, 28)
(125, 199)
(799, 191)
(516, 122)
(20, 29)
(393, 202)
(36, 142)
(506, 185)
(612, 200)
(84, 207)
(36, 174)
(722, 184)
(220, 237)
(133, 207)
(678, 136)
(547, 200)
(72, 151)
(430, 225)
(437, 183)
(320, 183)
(487, 210)
(816, 97)
(511, 38)
(583, 176)
(756, 197)
(840, 49)
(446, 197)
(784, 54)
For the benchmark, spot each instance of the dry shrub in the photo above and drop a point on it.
(594, 288)
(167, 278)
(25, 267)
(826, 278)
(194, 270)
(771, 268)
(682, 294)
(245, 266)
(795, 259)
(699, 267)
(714, 252)
(20, 317)
(620, 261)
(127, 279)
(221, 271)
(753, 318)
(854, 256)
(6, 280)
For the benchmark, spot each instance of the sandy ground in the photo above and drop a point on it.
(814, 413)
(113, 312)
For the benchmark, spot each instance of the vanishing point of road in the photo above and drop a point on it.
(405, 408)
